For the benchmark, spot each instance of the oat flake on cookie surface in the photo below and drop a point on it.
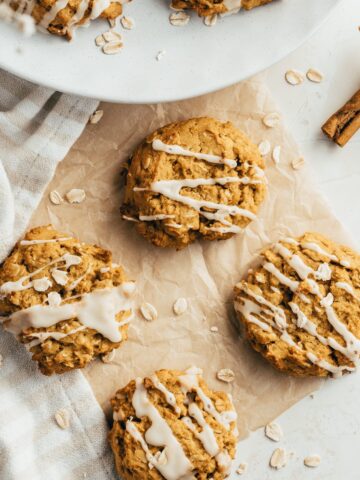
(204, 179)
(163, 429)
(305, 318)
(49, 286)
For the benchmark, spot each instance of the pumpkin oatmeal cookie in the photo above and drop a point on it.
(172, 426)
(200, 178)
(300, 308)
(64, 299)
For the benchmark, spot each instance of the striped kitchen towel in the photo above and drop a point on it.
(37, 128)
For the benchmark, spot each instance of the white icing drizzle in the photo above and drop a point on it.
(160, 435)
(40, 337)
(26, 243)
(18, 286)
(347, 287)
(171, 189)
(292, 284)
(97, 310)
(169, 396)
(190, 382)
(158, 145)
(151, 218)
(317, 249)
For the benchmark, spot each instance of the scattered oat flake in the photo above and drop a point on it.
(96, 117)
(210, 20)
(127, 23)
(294, 77)
(241, 468)
(271, 119)
(76, 195)
(180, 306)
(264, 147)
(55, 197)
(62, 418)
(276, 154)
(100, 40)
(179, 19)
(54, 299)
(109, 357)
(160, 55)
(149, 312)
(112, 36)
(226, 375)
(112, 48)
(298, 163)
(278, 458)
(314, 75)
(274, 432)
(60, 277)
(312, 461)
(214, 329)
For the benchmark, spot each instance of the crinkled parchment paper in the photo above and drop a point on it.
(203, 273)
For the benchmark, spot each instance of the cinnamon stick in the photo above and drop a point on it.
(343, 124)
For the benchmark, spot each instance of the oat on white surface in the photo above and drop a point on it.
(100, 40)
(314, 75)
(112, 36)
(127, 23)
(149, 312)
(226, 375)
(264, 147)
(271, 119)
(112, 48)
(179, 19)
(298, 163)
(210, 20)
(55, 197)
(241, 468)
(312, 461)
(274, 432)
(276, 154)
(62, 418)
(160, 55)
(180, 306)
(278, 458)
(294, 77)
(75, 195)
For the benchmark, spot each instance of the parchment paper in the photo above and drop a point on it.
(203, 273)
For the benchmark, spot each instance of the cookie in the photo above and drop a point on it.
(172, 426)
(300, 308)
(65, 300)
(200, 178)
(62, 18)
(205, 8)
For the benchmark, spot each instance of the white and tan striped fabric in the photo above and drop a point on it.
(37, 128)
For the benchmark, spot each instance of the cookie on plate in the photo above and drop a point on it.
(300, 307)
(65, 300)
(200, 178)
(172, 426)
(206, 8)
(62, 18)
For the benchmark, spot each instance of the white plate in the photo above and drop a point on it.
(198, 59)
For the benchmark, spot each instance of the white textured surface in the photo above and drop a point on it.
(241, 44)
(328, 424)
